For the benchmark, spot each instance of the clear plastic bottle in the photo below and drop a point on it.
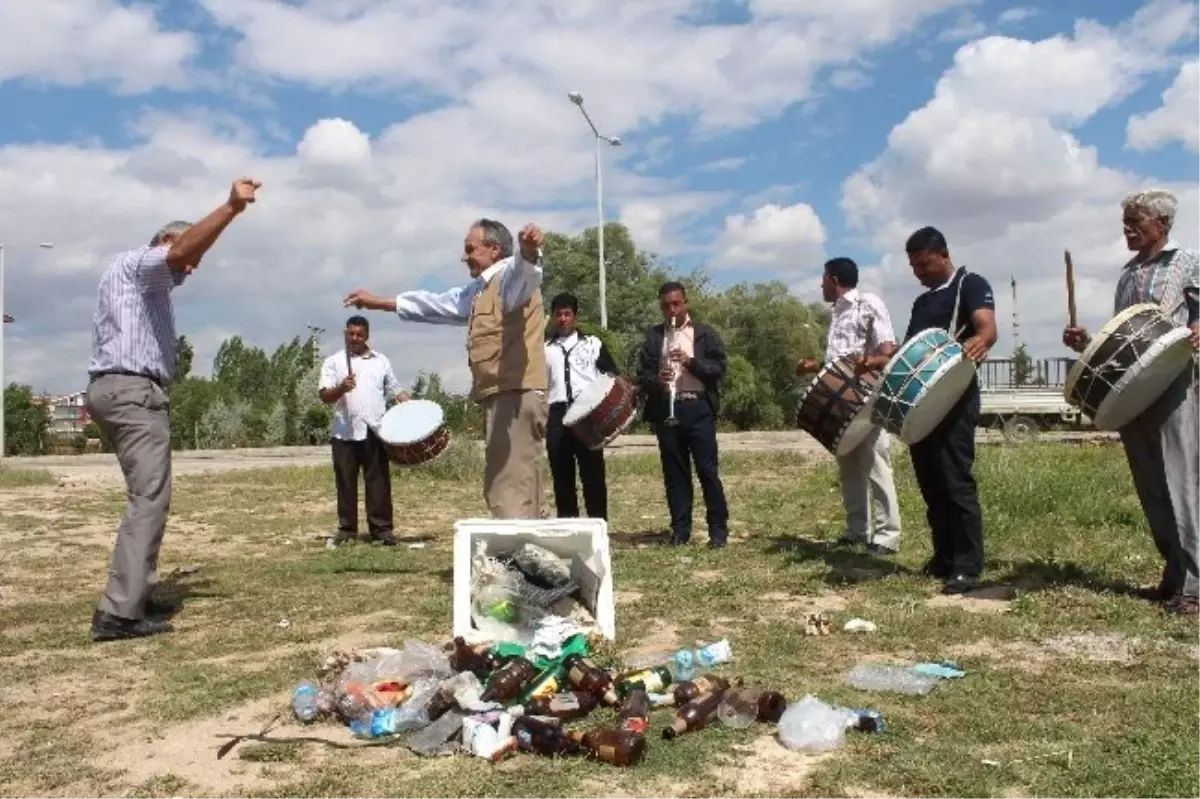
(304, 702)
(389, 721)
(879, 677)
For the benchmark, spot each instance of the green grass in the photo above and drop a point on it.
(21, 477)
(1075, 664)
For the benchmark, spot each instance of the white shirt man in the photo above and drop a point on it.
(359, 388)
(862, 328)
(573, 362)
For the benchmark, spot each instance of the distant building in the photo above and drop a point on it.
(68, 414)
(7, 318)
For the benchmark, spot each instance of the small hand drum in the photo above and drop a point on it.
(414, 432)
(602, 410)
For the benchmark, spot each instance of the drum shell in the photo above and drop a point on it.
(612, 415)
(833, 401)
(918, 365)
(419, 453)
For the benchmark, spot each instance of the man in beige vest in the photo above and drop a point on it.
(502, 309)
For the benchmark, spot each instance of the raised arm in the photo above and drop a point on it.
(520, 278)
(187, 250)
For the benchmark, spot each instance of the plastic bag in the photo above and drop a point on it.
(416, 660)
(813, 726)
(542, 565)
(495, 591)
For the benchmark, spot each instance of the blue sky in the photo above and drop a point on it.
(761, 137)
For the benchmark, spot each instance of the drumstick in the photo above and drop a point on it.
(1070, 288)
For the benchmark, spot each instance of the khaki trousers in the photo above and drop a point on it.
(513, 433)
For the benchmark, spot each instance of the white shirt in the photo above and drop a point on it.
(581, 352)
(518, 277)
(362, 408)
(848, 328)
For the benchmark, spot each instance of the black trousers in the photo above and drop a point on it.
(692, 440)
(370, 456)
(943, 462)
(565, 453)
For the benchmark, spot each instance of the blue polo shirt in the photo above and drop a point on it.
(934, 307)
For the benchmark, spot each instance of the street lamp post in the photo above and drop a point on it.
(45, 246)
(613, 141)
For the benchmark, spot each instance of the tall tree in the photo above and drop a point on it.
(26, 422)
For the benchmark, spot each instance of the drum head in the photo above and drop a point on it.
(1101, 336)
(858, 429)
(932, 405)
(1142, 385)
(410, 422)
(586, 401)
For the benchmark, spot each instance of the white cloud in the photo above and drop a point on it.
(723, 165)
(791, 237)
(1016, 15)
(966, 26)
(849, 79)
(992, 162)
(1176, 119)
(75, 42)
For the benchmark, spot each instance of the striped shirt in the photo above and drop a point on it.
(1163, 280)
(133, 329)
(848, 330)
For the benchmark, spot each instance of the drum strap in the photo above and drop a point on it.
(957, 299)
(567, 366)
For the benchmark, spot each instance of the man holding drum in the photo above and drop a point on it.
(963, 303)
(861, 327)
(574, 361)
(1162, 445)
(358, 382)
(506, 325)
(680, 369)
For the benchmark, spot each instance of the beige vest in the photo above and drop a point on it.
(506, 351)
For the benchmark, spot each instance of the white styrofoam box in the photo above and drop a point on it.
(568, 538)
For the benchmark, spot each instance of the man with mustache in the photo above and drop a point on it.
(1163, 444)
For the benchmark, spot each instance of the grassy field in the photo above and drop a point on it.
(1074, 686)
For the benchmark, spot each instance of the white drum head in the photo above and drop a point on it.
(1146, 381)
(1101, 336)
(410, 422)
(859, 428)
(937, 399)
(586, 401)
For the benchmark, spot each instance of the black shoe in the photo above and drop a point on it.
(1158, 594)
(157, 609)
(880, 551)
(679, 541)
(107, 627)
(934, 569)
(1183, 605)
(388, 540)
(341, 539)
(846, 543)
(716, 543)
(960, 584)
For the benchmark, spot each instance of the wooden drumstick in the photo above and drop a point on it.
(1070, 288)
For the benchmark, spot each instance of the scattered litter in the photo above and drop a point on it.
(417, 545)
(811, 725)
(860, 626)
(943, 671)
(897, 679)
(817, 624)
(283, 624)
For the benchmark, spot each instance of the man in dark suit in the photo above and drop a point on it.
(690, 356)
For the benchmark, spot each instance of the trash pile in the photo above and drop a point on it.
(496, 700)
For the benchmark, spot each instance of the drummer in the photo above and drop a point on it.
(501, 307)
(943, 461)
(359, 399)
(1163, 444)
(573, 361)
(862, 328)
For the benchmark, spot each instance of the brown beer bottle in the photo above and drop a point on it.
(585, 676)
(564, 706)
(470, 658)
(695, 715)
(508, 681)
(635, 712)
(615, 747)
(690, 689)
(543, 736)
(438, 706)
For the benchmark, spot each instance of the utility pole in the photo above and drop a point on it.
(1015, 322)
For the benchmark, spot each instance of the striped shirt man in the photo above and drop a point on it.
(133, 330)
(1164, 280)
(860, 324)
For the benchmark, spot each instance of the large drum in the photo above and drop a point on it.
(836, 408)
(602, 410)
(414, 432)
(920, 384)
(1128, 365)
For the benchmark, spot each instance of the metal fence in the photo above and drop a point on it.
(1042, 373)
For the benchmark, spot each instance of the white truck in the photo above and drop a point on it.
(1023, 407)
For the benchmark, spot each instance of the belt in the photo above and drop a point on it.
(158, 381)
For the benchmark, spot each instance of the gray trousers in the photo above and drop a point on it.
(133, 413)
(867, 485)
(1163, 448)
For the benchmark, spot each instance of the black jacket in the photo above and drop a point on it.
(708, 365)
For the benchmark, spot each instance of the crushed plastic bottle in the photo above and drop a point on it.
(389, 721)
(304, 702)
(897, 679)
(685, 662)
(813, 726)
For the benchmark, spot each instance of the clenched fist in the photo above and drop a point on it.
(241, 193)
(531, 239)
